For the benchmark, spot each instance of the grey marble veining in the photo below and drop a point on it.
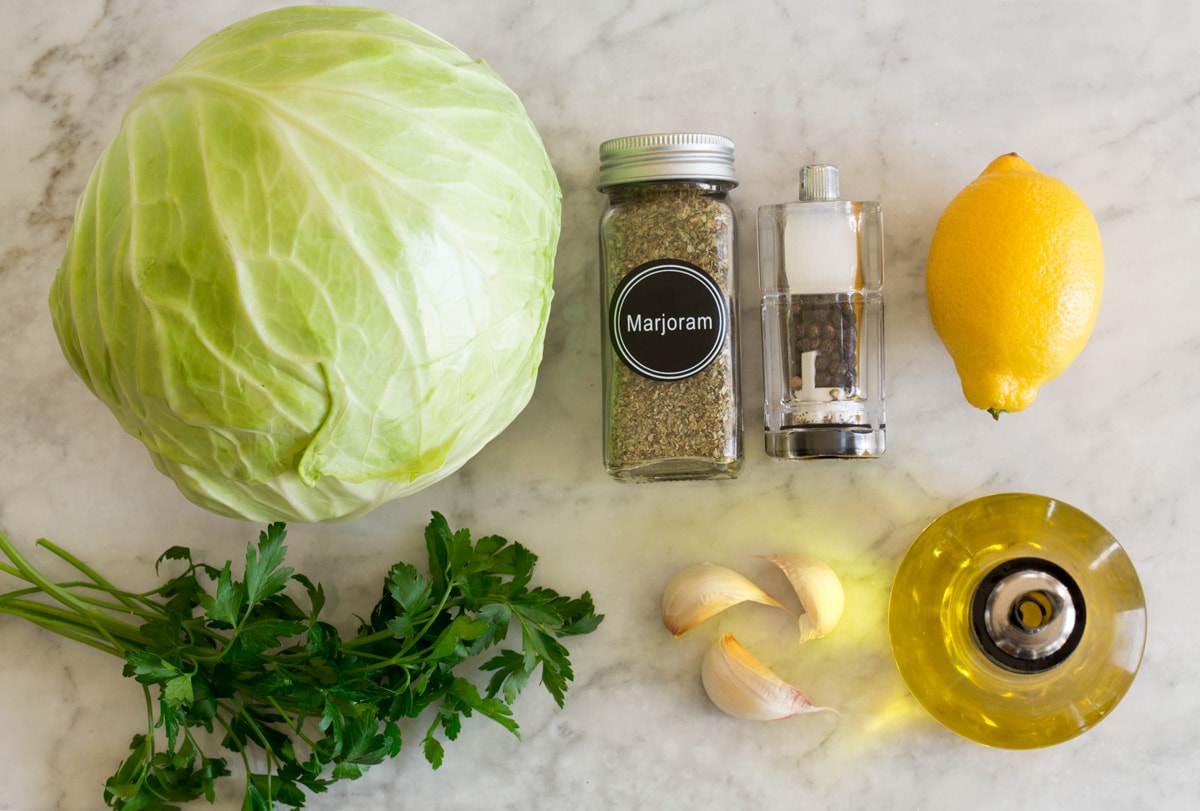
(911, 101)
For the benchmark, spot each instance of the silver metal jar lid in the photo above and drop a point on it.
(666, 156)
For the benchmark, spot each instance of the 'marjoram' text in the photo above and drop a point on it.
(662, 324)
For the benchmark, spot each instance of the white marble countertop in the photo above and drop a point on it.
(910, 100)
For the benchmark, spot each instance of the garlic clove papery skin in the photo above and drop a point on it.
(704, 590)
(741, 686)
(822, 597)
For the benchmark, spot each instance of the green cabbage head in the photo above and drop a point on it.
(313, 270)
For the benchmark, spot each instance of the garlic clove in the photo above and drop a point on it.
(704, 590)
(740, 685)
(822, 597)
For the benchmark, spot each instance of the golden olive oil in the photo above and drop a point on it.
(1017, 621)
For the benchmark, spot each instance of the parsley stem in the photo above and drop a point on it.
(60, 622)
(236, 744)
(94, 628)
(295, 725)
(26, 571)
(400, 656)
(121, 606)
(149, 721)
(124, 597)
(367, 640)
(255, 730)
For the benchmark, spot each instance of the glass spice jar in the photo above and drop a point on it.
(669, 298)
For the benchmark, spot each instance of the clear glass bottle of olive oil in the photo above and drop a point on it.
(1017, 621)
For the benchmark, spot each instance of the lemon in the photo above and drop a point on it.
(1014, 279)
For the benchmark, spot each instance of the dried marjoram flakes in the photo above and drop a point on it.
(671, 389)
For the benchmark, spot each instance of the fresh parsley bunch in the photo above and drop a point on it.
(299, 705)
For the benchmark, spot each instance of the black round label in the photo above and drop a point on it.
(668, 319)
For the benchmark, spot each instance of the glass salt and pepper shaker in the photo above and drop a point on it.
(821, 272)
